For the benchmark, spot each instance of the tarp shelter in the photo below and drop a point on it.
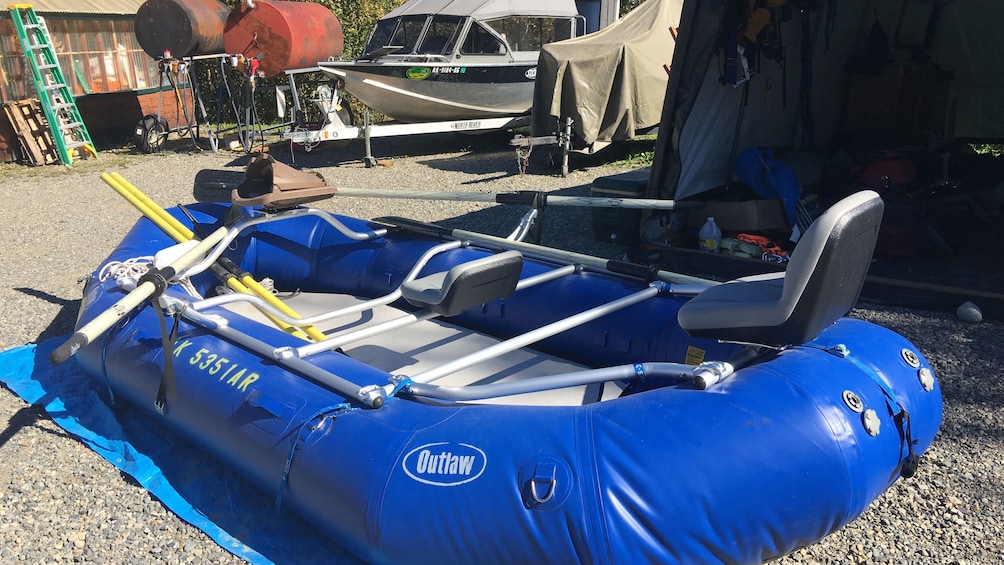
(823, 70)
(611, 82)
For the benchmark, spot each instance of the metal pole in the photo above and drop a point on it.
(352, 336)
(368, 160)
(573, 257)
(351, 391)
(684, 373)
(534, 336)
(581, 201)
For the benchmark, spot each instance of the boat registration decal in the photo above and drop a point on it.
(418, 73)
(450, 70)
(217, 366)
(445, 464)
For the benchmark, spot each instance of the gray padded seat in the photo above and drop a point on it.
(469, 284)
(821, 283)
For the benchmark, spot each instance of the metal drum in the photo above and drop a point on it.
(183, 27)
(283, 35)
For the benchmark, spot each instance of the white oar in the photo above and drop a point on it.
(519, 198)
(145, 290)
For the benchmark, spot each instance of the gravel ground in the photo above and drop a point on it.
(60, 502)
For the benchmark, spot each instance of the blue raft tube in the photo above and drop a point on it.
(480, 400)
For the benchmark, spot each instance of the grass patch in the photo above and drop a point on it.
(633, 153)
(993, 149)
(107, 159)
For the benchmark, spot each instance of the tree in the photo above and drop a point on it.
(628, 5)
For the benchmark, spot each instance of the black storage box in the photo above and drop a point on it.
(619, 225)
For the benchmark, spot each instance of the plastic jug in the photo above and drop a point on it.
(710, 236)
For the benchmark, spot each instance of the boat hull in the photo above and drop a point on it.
(424, 92)
(767, 461)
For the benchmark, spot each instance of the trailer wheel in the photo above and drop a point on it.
(344, 114)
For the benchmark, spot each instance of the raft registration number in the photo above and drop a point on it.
(215, 365)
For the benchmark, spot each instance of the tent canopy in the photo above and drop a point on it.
(833, 69)
(611, 82)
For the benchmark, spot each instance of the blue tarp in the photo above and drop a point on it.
(199, 489)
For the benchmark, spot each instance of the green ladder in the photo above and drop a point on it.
(65, 123)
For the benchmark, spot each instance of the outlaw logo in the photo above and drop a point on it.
(531, 73)
(418, 73)
(445, 464)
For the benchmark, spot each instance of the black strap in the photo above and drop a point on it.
(167, 384)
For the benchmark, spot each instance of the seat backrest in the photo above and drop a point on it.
(822, 282)
(829, 265)
(466, 285)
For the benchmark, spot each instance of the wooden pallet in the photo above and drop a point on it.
(32, 130)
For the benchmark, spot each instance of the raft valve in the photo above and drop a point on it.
(910, 358)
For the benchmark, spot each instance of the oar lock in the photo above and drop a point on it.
(160, 278)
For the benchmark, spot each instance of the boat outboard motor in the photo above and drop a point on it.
(275, 186)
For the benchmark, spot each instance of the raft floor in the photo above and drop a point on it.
(424, 345)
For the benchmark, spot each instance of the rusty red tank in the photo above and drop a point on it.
(183, 27)
(283, 35)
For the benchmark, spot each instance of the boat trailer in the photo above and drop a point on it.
(338, 122)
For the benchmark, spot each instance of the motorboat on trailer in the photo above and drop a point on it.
(448, 60)
(426, 395)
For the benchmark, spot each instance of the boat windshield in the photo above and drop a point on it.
(481, 41)
(530, 34)
(441, 36)
(401, 32)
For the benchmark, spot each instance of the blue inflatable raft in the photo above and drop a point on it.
(436, 396)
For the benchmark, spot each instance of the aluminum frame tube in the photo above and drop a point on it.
(534, 336)
(267, 308)
(246, 223)
(309, 349)
(346, 388)
(685, 373)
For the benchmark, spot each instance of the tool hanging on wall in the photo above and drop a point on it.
(68, 130)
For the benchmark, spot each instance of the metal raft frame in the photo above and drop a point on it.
(296, 359)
